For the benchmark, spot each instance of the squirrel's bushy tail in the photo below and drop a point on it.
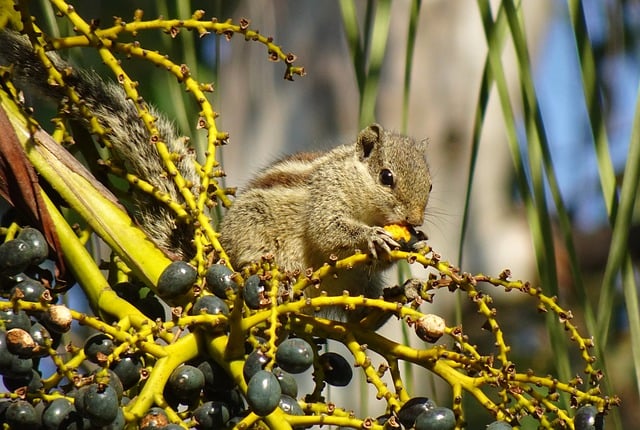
(129, 138)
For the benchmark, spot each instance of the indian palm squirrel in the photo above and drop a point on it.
(302, 209)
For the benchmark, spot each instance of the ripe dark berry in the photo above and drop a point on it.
(253, 293)
(587, 418)
(13, 319)
(437, 418)
(219, 280)
(15, 256)
(176, 279)
(263, 393)
(28, 290)
(294, 355)
(289, 405)
(108, 376)
(60, 414)
(412, 408)
(337, 371)
(211, 305)
(37, 244)
(211, 416)
(98, 403)
(185, 384)
(41, 337)
(98, 347)
(21, 415)
(31, 381)
(288, 383)
(254, 362)
(128, 370)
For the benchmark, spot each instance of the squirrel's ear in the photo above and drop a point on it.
(368, 138)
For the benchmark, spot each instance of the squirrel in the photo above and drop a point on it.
(302, 209)
(310, 206)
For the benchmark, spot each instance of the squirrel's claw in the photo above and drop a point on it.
(380, 239)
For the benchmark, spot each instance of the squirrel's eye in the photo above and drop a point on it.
(386, 177)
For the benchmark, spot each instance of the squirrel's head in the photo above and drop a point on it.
(399, 172)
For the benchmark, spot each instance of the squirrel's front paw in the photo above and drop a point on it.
(379, 238)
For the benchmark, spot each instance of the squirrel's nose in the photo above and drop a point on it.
(416, 218)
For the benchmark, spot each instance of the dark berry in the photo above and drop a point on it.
(13, 319)
(32, 381)
(587, 418)
(185, 384)
(98, 403)
(128, 370)
(437, 418)
(15, 256)
(98, 347)
(288, 383)
(61, 414)
(337, 370)
(253, 293)
(108, 376)
(28, 290)
(294, 355)
(211, 305)
(263, 393)
(22, 415)
(41, 337)
(211, 416)
(176, 279)
(37, 243)
(289, 405)
(254, 363)
(412, 408)
(219, 280)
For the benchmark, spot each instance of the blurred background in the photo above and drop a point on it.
(268, 117)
